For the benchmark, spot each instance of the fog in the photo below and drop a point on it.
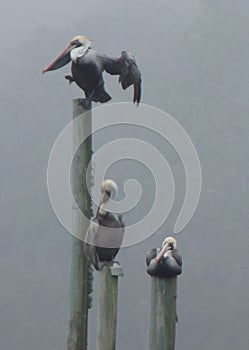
(194, 60)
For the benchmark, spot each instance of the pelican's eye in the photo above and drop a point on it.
(76, 43)
(108, 193)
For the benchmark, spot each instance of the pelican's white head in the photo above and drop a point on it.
(80, 44)
(76, 48)
(170, 242)
(167, 246)
(109, 189)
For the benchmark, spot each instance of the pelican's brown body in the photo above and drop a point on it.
(164, 262)
(103, 240)
(105, 234)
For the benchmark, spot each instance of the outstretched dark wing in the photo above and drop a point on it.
(129, 74)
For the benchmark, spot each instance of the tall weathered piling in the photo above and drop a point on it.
(80, 272)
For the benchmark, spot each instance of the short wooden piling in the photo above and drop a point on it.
(107, 307)
(163, 313)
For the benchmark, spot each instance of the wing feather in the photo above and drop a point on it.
(129, 74)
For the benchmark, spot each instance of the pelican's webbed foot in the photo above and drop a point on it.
(101, 264)
(69, 78)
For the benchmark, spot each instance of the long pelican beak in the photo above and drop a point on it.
(164, 249)
(61, 60)
(104, 198)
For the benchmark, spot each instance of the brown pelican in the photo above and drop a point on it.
(164, 262)
(105, 233)
(88, 66)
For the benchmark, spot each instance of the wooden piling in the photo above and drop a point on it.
(107, 307)
(80, 273)
(163, 313)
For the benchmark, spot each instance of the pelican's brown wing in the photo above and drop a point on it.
(177, 256)
(129, 74)
(151, 255)
(89, 246)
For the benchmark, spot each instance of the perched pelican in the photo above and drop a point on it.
(105, 233)
(88, 66)
(164, 262)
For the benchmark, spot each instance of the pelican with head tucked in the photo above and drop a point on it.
(105, 234)
(88, 66)
(164, 262)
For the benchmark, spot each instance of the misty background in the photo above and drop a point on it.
(194, 57)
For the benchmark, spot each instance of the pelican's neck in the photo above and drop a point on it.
(79, 51)
(168, 253)
(102, 210)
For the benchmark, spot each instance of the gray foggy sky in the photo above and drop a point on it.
(194, 60)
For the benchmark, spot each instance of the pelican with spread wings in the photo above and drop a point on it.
(88, 66)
